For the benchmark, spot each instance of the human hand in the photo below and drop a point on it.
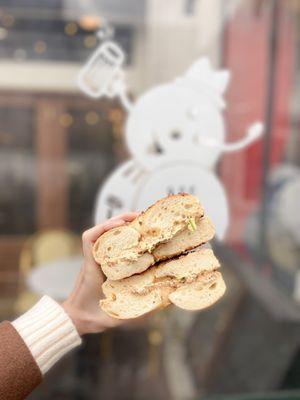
(82, 305)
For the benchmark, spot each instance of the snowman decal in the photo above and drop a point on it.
(175, 135)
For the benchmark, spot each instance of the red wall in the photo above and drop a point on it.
(246, 52)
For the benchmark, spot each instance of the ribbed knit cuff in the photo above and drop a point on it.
(48, 332)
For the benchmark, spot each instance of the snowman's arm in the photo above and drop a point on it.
(118, 88)
(127, 103)
(253, 133)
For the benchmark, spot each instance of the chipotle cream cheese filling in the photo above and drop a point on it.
(134, 256)
(204, 278)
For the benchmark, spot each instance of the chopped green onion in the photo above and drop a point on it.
(192, 224)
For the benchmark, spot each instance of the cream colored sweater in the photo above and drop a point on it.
(48, 332)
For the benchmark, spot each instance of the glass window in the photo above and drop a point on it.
(205, 100)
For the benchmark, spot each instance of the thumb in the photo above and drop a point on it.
(90, 236)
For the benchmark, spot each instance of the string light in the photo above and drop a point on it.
(71, 28)
(90, 22)
(92, 118)
(8, 20)
(115, 115)
(90, 41)
(66, 120)
(40, 47)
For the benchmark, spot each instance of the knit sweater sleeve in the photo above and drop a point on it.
(31, 344)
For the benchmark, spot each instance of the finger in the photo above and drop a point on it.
(98, 230)
(129, 216)
(92, 234)
(127, 213)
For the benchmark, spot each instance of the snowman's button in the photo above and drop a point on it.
(175, 134)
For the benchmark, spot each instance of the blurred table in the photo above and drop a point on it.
(55, 278)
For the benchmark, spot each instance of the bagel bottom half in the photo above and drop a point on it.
(191, 281)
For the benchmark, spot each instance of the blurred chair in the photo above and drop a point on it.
(41, 248)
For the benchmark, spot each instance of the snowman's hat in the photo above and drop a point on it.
(201, 77)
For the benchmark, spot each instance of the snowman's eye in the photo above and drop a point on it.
(175, 135)
(155, 148)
